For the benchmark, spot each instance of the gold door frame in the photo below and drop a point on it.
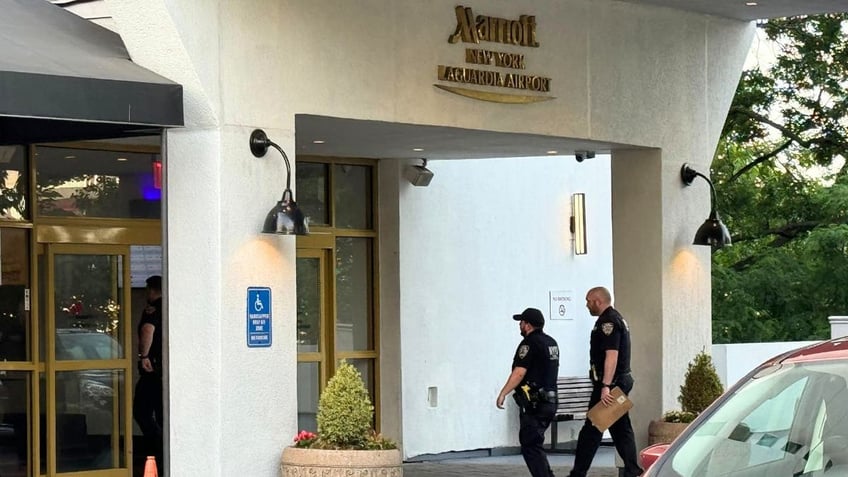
(52, 366)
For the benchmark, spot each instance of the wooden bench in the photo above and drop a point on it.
(573, 394)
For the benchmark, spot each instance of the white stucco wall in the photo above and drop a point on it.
(496, 241)
(734, 361)
(636, 75)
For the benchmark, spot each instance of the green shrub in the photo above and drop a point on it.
(701, 386)
(345, 414)
(679, 416)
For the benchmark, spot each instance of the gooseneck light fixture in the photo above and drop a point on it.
(285, 217)
(713, 231)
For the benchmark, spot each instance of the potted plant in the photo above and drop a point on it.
(701, 386)
(345, 443)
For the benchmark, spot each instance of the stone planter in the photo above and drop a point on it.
(297, 462)
(663, 432)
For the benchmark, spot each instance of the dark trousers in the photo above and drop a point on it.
(531, 436)
(148, 413)
(621, 431)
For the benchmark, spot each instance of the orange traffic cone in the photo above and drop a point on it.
(150, 467)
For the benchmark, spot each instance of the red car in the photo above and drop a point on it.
(788, 417)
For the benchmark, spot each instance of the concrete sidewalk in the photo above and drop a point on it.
(508, 466)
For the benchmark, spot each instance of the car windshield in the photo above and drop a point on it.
(788, 420)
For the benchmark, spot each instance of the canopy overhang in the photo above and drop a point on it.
(65, 78)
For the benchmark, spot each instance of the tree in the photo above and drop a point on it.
(782, 183)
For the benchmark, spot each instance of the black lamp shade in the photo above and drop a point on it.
(286, 218)
(712, 232)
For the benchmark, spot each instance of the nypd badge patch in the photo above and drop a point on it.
(522, 351)
(607, 328)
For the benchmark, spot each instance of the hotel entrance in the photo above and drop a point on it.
(81, 233)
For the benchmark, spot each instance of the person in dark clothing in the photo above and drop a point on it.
(533, 378)
(609, 361)
(147, 406)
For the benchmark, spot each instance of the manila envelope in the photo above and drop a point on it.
(604, 416)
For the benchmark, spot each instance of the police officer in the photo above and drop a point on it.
(609, 357)
(533, 378)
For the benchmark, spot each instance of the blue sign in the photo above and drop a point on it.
(258, 317)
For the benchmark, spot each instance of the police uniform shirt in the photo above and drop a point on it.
(611, 332)
(538, 353)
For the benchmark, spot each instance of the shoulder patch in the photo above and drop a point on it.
(522, 351)
(607, 328)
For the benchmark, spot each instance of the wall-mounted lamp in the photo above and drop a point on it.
(285, 217)
(420, 176)
(578, 222)
(713, 231)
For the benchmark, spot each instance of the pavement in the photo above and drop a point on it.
(508, 466)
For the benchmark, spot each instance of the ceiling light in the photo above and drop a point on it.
(70, 157)
(417, 149)
(122, 159)
(552, 152)
(751, 4)
(318, 141)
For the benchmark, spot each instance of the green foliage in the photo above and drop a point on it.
(701, 384)
(345, 412)
(684, 417)
(782, 187)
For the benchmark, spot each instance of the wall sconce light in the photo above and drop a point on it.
(419, 175)
(578, 222)
(713, 231)
(285, 217)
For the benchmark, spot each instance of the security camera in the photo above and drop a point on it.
(581, 156)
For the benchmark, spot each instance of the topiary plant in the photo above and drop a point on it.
(701, 384)
(344, 410)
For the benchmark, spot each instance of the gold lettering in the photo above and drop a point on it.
(464, 29)
(531, 28)
(471, 29)
(515, 30)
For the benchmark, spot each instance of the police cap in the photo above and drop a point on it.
(532, 316)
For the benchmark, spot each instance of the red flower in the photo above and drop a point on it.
(304, 438)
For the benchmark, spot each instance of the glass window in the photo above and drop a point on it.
(88, 306)
(14, 419)
(308, 377)
(353, 294)
(95, 183)
(14, 295)
(311, 185)
(308, 304)
(352, 196)
(13, 183)
(89, 408)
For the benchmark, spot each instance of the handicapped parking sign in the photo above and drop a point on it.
(258, 317)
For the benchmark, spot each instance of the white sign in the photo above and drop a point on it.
(562, 305)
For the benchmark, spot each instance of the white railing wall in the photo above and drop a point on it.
(734, 361)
